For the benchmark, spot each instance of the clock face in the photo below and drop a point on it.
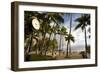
(36, 24)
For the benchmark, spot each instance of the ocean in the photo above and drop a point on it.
(76, 48)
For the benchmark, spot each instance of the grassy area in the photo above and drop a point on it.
(35, 57)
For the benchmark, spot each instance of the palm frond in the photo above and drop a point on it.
(72, 39)
(78, 26)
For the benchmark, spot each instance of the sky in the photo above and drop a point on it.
(78, 34)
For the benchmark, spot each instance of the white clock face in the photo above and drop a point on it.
(36, 24)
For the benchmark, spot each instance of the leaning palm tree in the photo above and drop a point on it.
(69, 38)
(83, 22)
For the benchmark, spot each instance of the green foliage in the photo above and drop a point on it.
(53, 44)
(84, 20)
(63, 31)
(69, 38)
(35, 57)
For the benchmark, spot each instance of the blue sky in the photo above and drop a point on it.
(67, 19)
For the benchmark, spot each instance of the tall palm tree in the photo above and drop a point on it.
(69, 38)
(84, 21)
(70, 32)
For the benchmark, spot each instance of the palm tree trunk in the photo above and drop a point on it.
(67, 50)
(70, 48)
(53, 44)
(85, 41)
(47, 45)
(52, 52)
(27, 57)
(70, 32)
(37, 48)
(30, 45)
(60, 45)
(43, 43)
(70, 23)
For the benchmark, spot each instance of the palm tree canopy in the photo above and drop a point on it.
(69, 38)
(63, 31)
(45, 18)
(56, 17)
(84, 20)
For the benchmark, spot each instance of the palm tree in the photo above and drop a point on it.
(62, 33)
(69, 38)
(84, 21)
(69, 15)
(70, 31)
(54, 45)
